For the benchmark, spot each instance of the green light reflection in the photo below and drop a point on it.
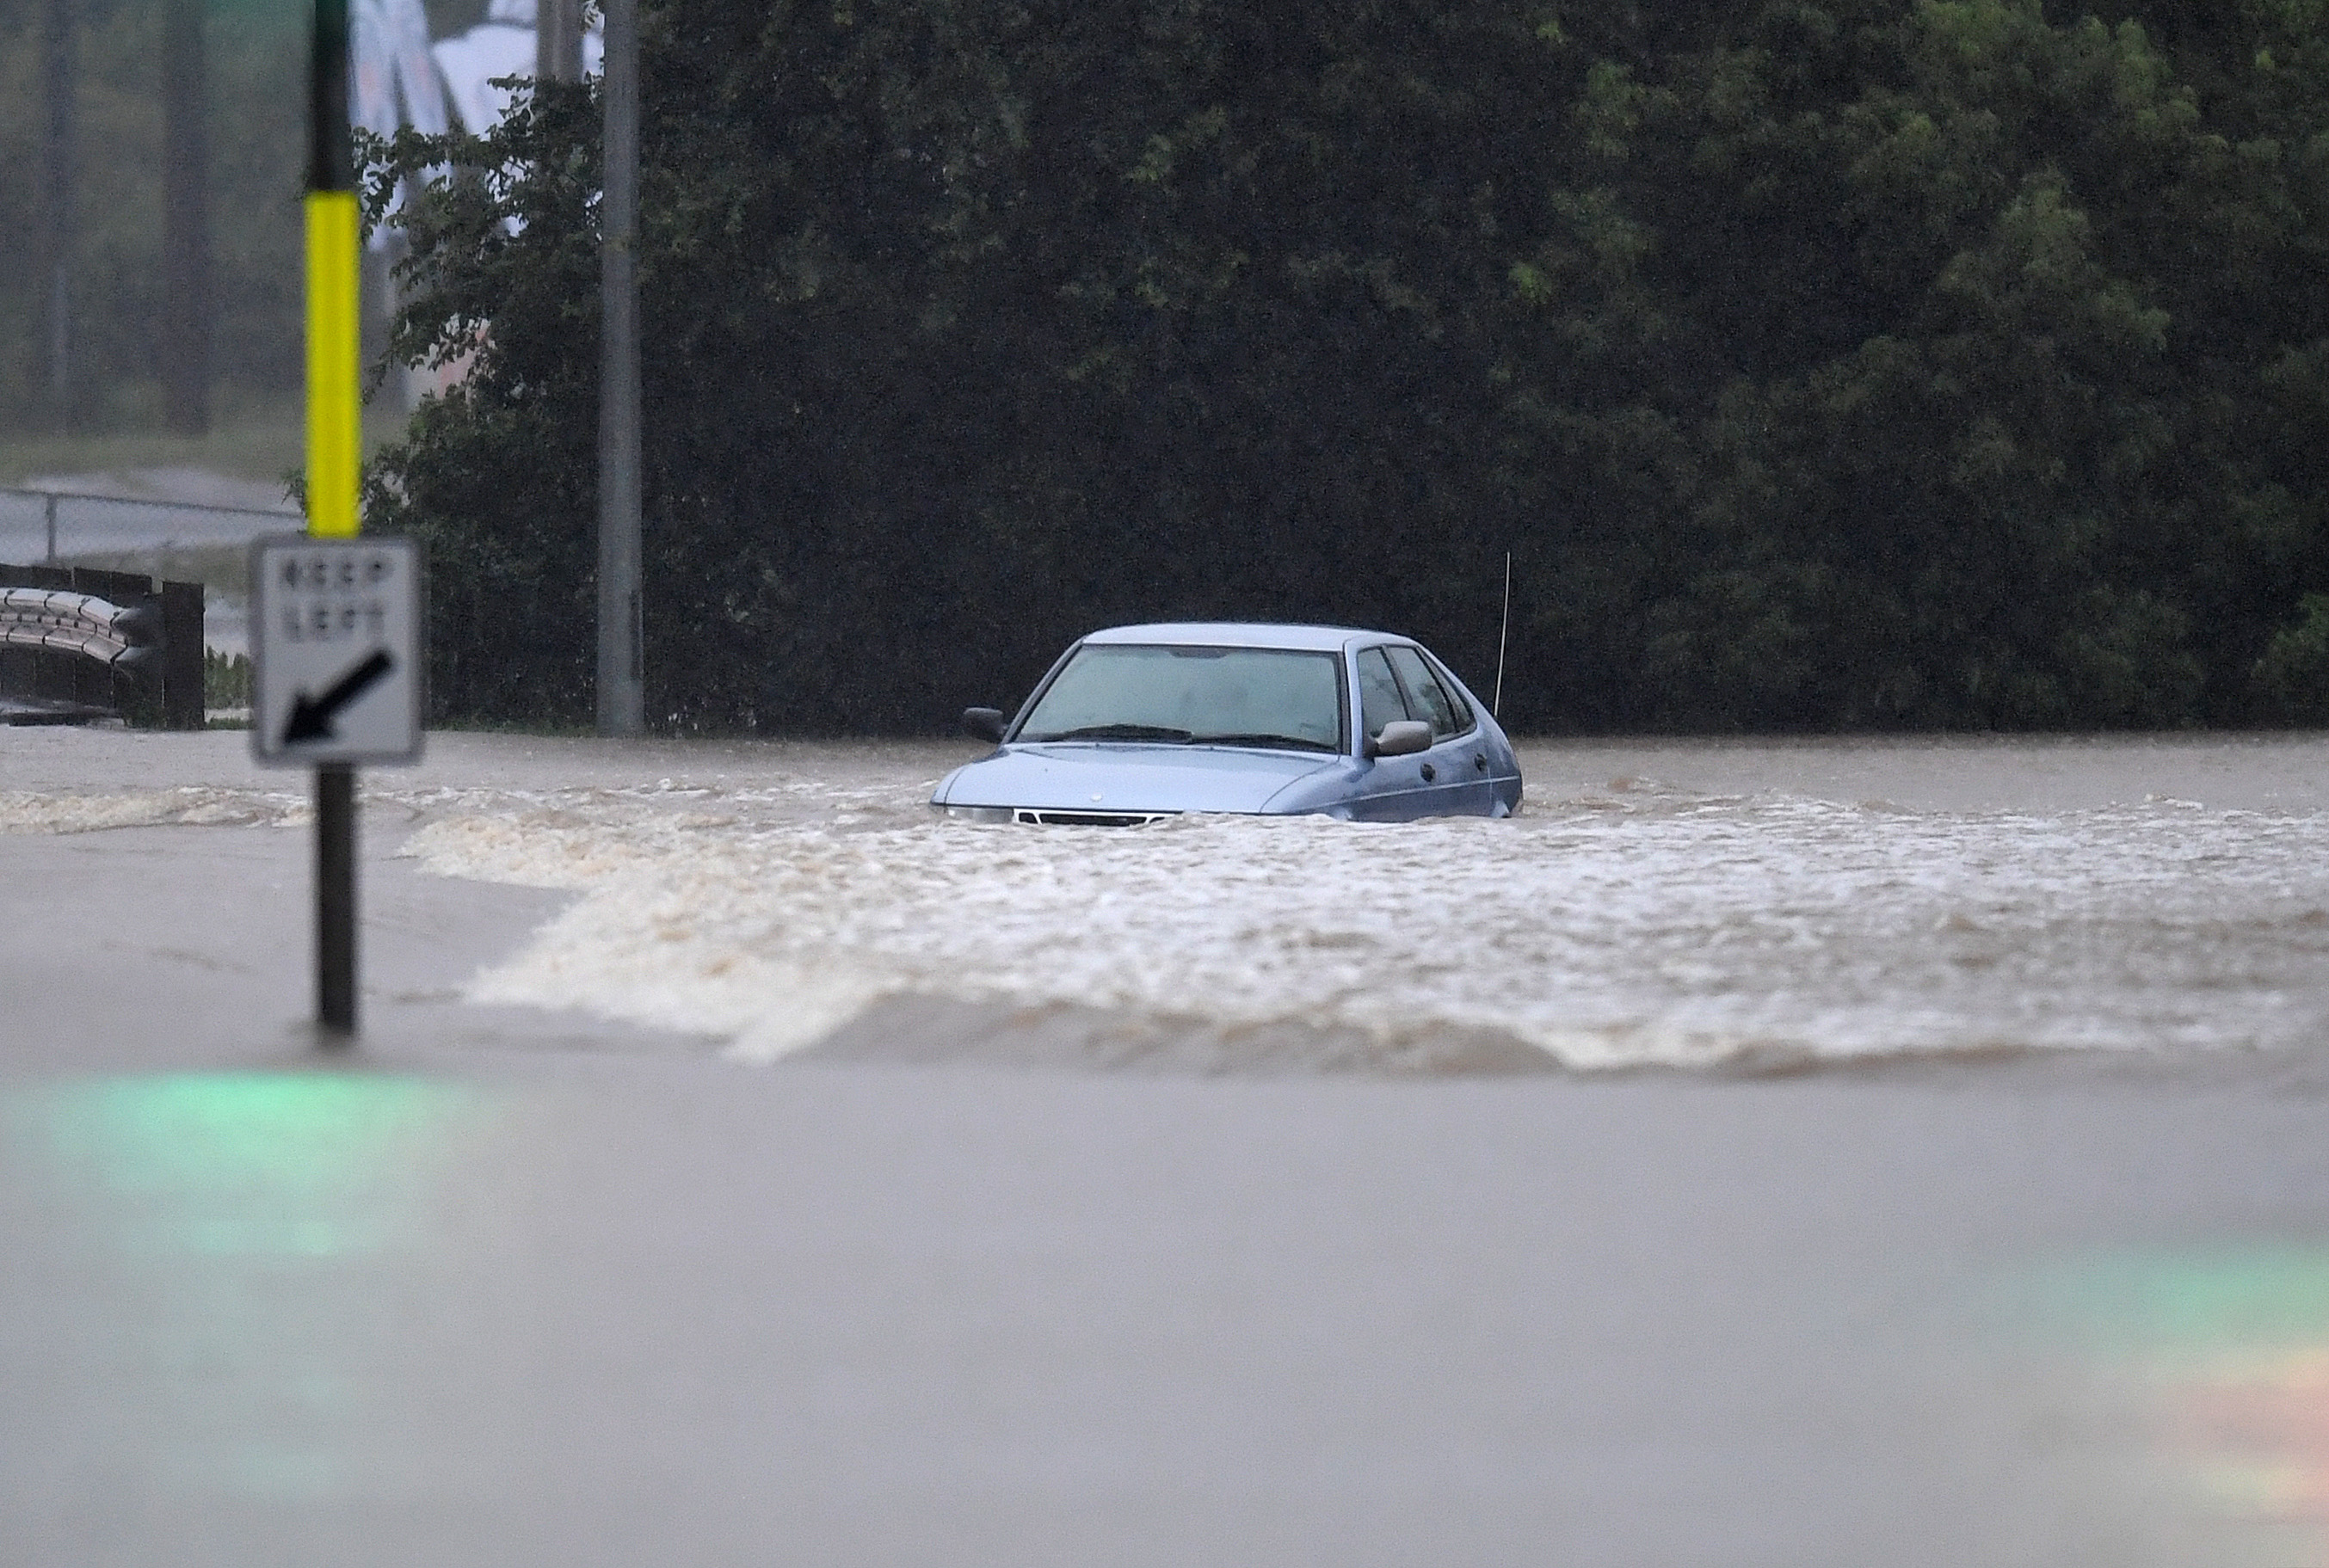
(244, 1241)
(2231, 1346)
(286, 1164)
(2198, 1305)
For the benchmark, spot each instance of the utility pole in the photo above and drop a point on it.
(186, 333)
(558, 40)
(58, 151)
(622, 701)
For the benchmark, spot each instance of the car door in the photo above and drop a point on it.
(1390, 789)
(1455, 771)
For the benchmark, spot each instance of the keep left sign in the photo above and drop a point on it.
(336, 650)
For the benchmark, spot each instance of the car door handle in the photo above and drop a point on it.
(1480, 761)
(1429, 773)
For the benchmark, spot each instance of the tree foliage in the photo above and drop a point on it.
(1857, 364)
(120, 306)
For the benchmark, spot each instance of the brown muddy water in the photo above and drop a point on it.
(1819, 1153)
(1656, 906)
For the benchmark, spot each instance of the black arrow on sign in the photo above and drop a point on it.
(311, 716)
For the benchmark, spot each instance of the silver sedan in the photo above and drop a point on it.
(1140, 722)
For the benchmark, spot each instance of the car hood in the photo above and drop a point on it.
(1072, 776)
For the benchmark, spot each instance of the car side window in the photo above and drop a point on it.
(1464, 719)
(1380, 702)
(1424, 693)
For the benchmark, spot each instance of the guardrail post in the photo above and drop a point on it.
(182, 656)
(136, 693)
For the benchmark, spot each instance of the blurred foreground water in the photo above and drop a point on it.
(663, 1311)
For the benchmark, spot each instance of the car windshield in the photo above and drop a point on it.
(1279, 698)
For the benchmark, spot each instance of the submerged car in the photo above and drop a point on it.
(1141, 722)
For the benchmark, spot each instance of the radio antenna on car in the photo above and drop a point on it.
(1496, 703)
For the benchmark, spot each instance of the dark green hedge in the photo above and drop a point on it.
(1864, 364)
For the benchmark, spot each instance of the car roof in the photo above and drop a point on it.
(1239, 634)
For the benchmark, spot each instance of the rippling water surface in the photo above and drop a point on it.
(1626, 923)
(1663, 904)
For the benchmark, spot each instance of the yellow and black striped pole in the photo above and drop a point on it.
(333, 427)
(335, 445)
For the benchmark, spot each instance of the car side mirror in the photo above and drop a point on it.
(987, 723)
(1401, 738)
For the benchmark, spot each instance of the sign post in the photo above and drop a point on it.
(335, 682)
(335, 622)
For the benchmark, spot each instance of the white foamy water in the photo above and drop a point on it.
(1629, 926)
(185, 805)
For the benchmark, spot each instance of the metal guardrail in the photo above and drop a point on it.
(44, 526)
(84, 624)
(81, 643)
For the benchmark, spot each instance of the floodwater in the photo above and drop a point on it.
(1792, 1154)
(1688, 906)
(1627, 919)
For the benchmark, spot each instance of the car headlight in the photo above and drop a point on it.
(979, 814)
